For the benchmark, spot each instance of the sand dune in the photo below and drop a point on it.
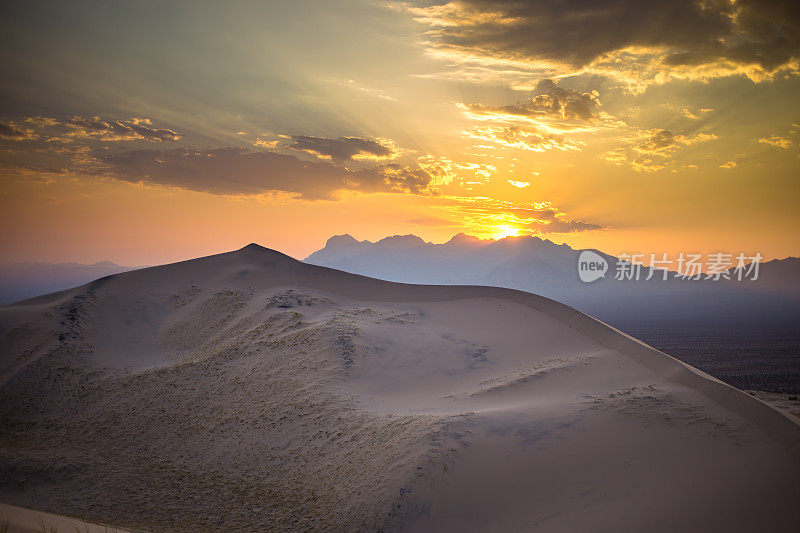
(249, 391)
(19, 520)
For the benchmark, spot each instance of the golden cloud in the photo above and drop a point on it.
(638, 43)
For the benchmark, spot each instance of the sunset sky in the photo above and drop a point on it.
(147, 132)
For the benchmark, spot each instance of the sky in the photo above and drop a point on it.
(148, 132)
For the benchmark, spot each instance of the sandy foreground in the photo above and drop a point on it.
(248, 391)
(788, 404)
(19, 520)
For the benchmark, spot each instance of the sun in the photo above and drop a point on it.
(501, 232)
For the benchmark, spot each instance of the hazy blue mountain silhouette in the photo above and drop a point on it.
(543, 267)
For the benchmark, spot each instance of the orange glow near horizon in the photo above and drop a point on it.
(626, 153)
(502, 232)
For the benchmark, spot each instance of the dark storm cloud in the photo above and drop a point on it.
(233, 171)
(341, 149)
(577, 32)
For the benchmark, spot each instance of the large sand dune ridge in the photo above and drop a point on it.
(249, 391)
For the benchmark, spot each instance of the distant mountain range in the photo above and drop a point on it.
(543, 267)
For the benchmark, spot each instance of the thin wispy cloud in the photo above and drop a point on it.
(119, 130)
(96, 128)
(653, 150)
